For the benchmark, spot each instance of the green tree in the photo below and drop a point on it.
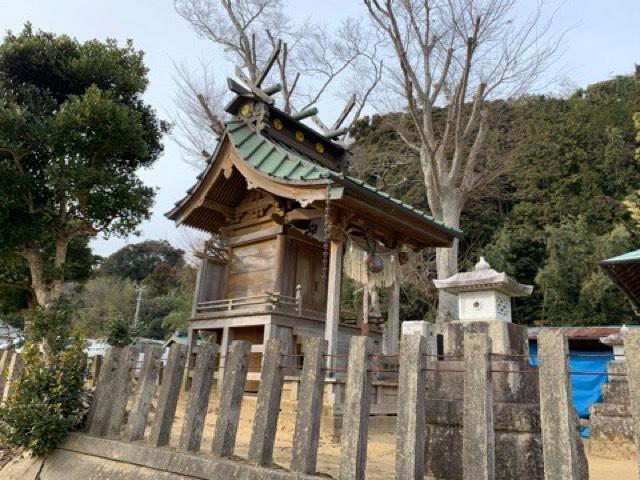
(102, 299)
(139, 260)
(575, 158)
(575, 291)
(74, 131)
(16, 293)
(110, 297)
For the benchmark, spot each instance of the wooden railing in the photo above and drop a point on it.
(269, 301)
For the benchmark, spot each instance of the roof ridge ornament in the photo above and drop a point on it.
(482, 264)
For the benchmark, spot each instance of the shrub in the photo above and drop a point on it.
(120, 332)
(48, 400)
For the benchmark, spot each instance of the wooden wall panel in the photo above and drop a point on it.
(250, 270)
(308, 274)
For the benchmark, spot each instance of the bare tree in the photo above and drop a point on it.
(256, 34)
(451, 57)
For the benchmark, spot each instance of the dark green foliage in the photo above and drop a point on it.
(577, 164)
(74, 131)
(138, 261)
(16, 294)
(50, 325)
(120, 332)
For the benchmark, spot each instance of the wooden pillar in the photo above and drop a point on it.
(200, 281)
(278, 273)
(224, 348)
(333, 298)
(392, 332)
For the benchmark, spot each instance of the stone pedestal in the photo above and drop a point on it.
(506, 338)
(518, 444)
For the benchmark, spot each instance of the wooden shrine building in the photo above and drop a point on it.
(277, 198)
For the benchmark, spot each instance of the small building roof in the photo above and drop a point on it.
(624, 271)
(581, 333)
(483, 278)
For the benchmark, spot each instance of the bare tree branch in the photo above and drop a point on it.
(310, 59)
(450, 58)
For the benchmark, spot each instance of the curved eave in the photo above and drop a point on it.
(414, 222)
(626, 275)
(226, 156)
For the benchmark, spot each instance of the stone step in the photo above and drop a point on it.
(609, 410)
(616, 392)
(616, 368)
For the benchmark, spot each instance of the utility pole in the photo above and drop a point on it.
(136, 317)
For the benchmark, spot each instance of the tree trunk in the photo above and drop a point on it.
(42, 289)
(447, 258)
(47, 291)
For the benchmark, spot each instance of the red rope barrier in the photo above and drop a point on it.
(441, 370)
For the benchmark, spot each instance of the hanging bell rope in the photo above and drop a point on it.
(368, 266)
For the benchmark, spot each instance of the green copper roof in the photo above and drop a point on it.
(625, 257)
(276, 160)
(402, 204)
(279, 161)
(271, 157)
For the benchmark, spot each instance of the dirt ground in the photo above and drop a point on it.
(381, 452)
(7, 453)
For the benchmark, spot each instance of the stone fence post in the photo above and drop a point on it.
(100, 409)
(5, 360)
(478, 442)
(309, 414)
(14, 374)
(199, 394)
(265, 422)
(235, 375)
(557, 416)
(120, 390)
(411, 425)
(147, 385)
(355, 419)
(632, 353)
(94, 372)
(168, 396)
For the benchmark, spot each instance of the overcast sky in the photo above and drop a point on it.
(603, 40)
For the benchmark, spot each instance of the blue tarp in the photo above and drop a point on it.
(586, 389)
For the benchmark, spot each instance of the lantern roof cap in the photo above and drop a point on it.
(483, 277)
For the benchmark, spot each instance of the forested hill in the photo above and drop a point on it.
(556, 212)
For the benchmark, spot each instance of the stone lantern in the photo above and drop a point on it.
(483, 294)
(484, 305)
